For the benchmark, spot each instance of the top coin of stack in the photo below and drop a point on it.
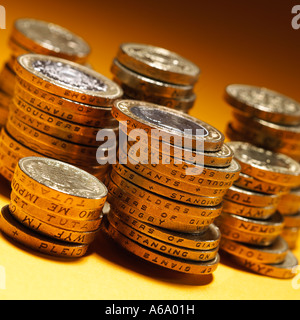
(269, 120)
(35, 36)
(55, 208)
(167, 200)
(155, 75)
(265, 118)
(57, 110)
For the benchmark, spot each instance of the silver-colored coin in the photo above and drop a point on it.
(266, 165)
(68, 75)
(70, 80)
(274, 253)
(158, 63)
(53, 37)
(264, 103)
(63, 177)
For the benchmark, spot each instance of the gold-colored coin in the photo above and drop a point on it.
(53, 179)
(165, 261)
(172, 193)
(54, 232)
(263, 103)
(54, 126)
(207, 240)
(231, 233)
(18, 150)
(189, 172)
(284, 133)
(8, 143)
(183, 103)
(93, 88)
(275, 253)
(271, 226)
(149, 85)
(61, 107)
(36, 241)
(168, 125)
(158, 63)
(150, 173)
(56, 203)
(251, 198)
(283, 270)
(165, 188)
(49, 39)
(246, 182)
(248, 211)
(149, 153)
(30, 103)
(54, 219)
(160, 202)
(266, 165)
(14, 151)
(25, 195)
(173, 222)
(11, 157)
(260, 140)
(163, 208)
(160, 246)
(45, 144)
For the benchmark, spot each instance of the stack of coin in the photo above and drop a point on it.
(155, 75)
(269, 120)
(264, 118)
(35, 36)
(250, 224)
(55, 208)
(57, 111)
(164, 212)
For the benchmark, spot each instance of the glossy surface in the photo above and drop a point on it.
(231, 42)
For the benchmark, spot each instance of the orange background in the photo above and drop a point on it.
(232, 42)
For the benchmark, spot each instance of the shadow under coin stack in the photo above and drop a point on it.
(35, 36)
(269, 120)
(55, 208)
(155, 75)
(250, 223)
(56, 112)
(164, 213)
